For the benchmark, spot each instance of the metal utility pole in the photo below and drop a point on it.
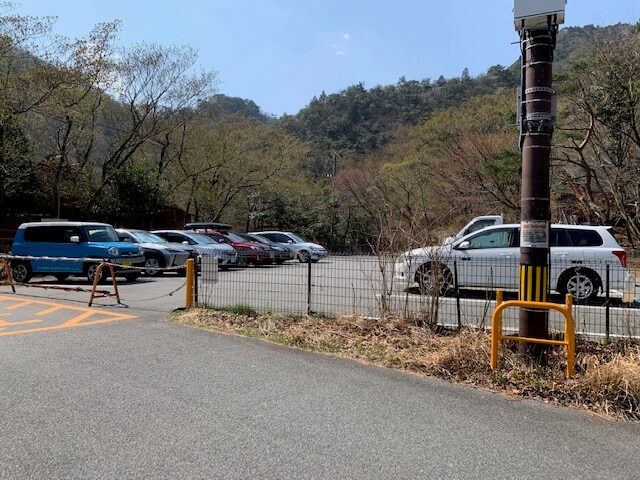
(537, 21)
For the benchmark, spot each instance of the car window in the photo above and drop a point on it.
(101, 233)
(503, 238)
(126, 237)
(480, 224)
(558, 238)
(54, 234)
(171, 237)
(201, 238)
(584, 238)
(148, 237)
(277, 237)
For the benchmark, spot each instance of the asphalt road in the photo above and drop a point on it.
(146, 398)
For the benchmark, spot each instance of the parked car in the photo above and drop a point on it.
(204, 245)
(249, 252)
(158, 252)
(305, 251)
(280, 252)
(490, 258)
(73, 240)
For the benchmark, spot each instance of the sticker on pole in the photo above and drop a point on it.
(534, 233)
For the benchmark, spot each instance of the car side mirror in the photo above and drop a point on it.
(290, 242)
(184, 242)
(463, 245)
(74, 239)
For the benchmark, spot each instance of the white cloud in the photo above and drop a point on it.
(340, 47)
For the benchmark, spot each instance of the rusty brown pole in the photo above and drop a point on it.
(536, 134)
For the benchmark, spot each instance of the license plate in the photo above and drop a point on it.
(126, 264)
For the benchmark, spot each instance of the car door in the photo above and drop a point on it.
(55, 242)
(489, 259)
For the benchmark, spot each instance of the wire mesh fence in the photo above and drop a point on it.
(463, 293)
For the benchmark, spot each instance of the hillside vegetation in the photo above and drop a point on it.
(91, 131)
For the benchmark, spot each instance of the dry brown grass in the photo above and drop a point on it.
(607, 379)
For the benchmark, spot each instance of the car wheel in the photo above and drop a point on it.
(131, 277)
(91, 269)
(61, 277)
(152, 266)
(21, 272)
(583, 284)
(304, 256)
(434, 278)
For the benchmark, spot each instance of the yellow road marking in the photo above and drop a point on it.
(4, 324)
(84, 316)
(50, 310)
(18, 305)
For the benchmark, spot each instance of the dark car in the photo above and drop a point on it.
(158, 252)
(280, 253)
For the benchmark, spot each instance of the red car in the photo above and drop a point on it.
(248, 252)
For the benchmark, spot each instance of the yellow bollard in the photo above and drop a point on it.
(190, 281)
(569, 341)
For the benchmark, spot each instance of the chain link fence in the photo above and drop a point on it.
(371, 286)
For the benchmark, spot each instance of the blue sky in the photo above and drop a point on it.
(280, 53)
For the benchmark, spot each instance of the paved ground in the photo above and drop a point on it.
(113, 392)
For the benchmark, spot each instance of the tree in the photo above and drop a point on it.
(236, 157)
(600, 137)
(20, 190)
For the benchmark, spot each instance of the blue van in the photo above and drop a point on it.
(71, 240)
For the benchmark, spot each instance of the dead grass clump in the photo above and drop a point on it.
(607, 377)
(612, 384)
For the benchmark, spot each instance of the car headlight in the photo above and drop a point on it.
(113, 251)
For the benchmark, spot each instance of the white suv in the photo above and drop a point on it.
(490, 258)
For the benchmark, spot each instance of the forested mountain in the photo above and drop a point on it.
(356, 120)
(129, 136)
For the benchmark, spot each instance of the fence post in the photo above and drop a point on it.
(607, 302)
(309, 287)
(198, 267)
(457, 292)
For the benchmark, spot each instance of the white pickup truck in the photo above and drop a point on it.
(477, 223)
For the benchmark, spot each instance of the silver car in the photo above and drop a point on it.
(159, 254)
(304, 251)
(203, 244)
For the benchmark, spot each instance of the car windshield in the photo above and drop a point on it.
(261, 239)
(202, 238)
(148, 237)
(297, 238)
(101, 233)
(235, 238)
